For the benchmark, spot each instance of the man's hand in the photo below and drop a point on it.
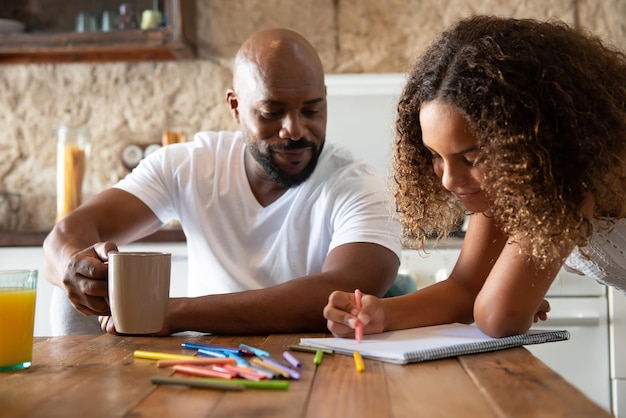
(85, 279)
(107, 323)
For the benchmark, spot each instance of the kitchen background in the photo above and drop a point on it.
(365, 46)
(124, 103)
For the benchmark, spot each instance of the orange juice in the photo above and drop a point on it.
(17, 320)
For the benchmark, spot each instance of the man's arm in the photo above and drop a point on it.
(74, 262)
(293, 306)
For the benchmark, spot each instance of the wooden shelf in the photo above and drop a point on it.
(175, 41)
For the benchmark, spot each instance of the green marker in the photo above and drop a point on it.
(219, 384)
(230, 384)
(318, 357)
(305, 349)
(253, 384)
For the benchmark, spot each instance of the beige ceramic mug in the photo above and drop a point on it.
(139, 288)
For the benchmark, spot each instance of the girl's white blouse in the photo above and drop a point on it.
(604, 259)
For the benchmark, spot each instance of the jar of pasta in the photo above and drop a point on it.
(72, 156)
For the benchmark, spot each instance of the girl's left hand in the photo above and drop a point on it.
(542, 311)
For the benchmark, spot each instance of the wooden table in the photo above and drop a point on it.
(97, 376)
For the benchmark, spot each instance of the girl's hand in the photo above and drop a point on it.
(342, 314)
(542, 311)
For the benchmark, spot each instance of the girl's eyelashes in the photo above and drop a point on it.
(435, 156)
(471, 158)
(467, 161)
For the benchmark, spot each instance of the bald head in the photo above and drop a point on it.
(279, 100)
(274, 55)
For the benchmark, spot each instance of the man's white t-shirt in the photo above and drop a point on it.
(236, 244)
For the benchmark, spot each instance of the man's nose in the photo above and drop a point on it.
(293, 127)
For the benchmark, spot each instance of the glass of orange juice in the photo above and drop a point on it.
(17, 318)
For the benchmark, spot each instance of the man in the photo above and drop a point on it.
(275, 219)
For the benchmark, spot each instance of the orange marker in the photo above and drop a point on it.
(196, 362)
(201, 371)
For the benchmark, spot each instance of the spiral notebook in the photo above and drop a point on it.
(431, 343)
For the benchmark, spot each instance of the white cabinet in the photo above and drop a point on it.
(617, 314)
(578, 304)
(583, 360)
(32, 258)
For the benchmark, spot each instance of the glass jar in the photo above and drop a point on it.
(72, 155)
(127, 18)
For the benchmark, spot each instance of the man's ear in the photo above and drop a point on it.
(233, 103)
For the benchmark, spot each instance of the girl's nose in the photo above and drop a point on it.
(453, 176)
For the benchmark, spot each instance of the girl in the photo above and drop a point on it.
(522, 124)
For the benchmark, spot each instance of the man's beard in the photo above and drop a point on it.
(275, 173)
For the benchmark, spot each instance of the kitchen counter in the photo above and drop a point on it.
(35, 238)
(97, 376)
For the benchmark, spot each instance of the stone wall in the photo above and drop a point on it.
(125, 103)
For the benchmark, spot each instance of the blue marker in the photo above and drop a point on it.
(240, 360)
(257, 351)
(197, 346)
(212, 353)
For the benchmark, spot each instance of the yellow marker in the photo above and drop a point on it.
(152, 355)
(358, 361)
(270, 367)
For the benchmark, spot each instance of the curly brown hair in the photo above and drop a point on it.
(547, 104)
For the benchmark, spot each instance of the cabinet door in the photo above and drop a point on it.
(619, 396)
(617, 314)
(583, 360)
(617, 303)
(32, 258)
